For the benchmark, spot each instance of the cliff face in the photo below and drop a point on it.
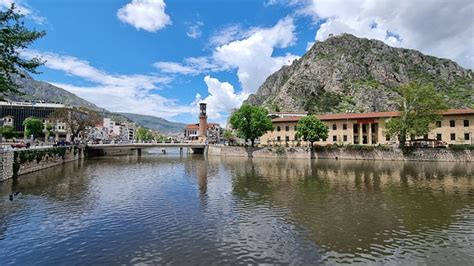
(348, 73)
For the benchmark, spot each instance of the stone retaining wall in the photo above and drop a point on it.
(447, 155)
(25, 161)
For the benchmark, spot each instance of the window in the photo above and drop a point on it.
(452, 123)
(344, 126)
(344, 137)
(364, 128)
(296, 128)
(334, 138)
(334, 127)
(278, 138)
(453, 136)
(466, 136)
(387, 137)
(425, 137)
(278, 128)
(439, 137)
(466, 123)
(287, 138)
(287, 128)
(324, 139)
(438, 123)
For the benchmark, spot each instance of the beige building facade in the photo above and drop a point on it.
(456, 127)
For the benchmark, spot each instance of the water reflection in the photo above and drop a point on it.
(360, 207)
(193, 209)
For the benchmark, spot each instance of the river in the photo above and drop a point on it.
(196, 210)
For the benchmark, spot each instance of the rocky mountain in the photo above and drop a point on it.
(346, 73)
(155, 123)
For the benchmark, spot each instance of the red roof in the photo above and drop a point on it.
(365, 115)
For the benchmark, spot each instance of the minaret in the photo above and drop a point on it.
(202, 122)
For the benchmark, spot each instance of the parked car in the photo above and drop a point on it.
(20, 145)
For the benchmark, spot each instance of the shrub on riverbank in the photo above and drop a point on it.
(461, 147)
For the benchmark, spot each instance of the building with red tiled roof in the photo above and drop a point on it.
(191, 131)
(456, 127)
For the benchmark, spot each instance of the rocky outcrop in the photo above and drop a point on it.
(348, 73)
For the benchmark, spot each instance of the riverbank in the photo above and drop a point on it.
(19, 162)
(348, 152)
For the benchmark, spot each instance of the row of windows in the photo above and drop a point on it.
(334, 127)
(452, 123)
(467, 136)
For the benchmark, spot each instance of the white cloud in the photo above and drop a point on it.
(23, 8)
(229, 34)
(148, 15)
(176, 68)
(194, 29)
(118, 93)
(222, 98)
(437, 27)
(253, 56)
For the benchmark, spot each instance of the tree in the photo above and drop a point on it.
(229, 136)
(7, 132)
(14, 37)
(419, 107)
(33, 126)
(251, 122)
(143, 134)
(48, 131)
(77, 120)
(311, 129)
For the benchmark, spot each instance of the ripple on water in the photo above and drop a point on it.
(191, 211)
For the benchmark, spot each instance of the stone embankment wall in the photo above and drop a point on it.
(447, 155)
(20, 162)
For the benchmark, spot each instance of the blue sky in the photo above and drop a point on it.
(161, 57)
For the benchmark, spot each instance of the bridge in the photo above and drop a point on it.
(122, 148)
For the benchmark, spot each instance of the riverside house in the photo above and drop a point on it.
(455, 127)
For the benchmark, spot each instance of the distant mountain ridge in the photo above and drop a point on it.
(34, 90)
(156, 123)
(347, 73)
(40, 91)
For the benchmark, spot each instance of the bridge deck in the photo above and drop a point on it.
(146, 145)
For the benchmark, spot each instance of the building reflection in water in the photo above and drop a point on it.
(349, 206)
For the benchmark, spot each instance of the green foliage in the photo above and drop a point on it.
(24, 156)
(229, 136)
(33, 126)
(321, 103)
(14, 37)
(358, 147)
(16, 164)
(311, 129)
(251, 122)
(419, 107)
(49, 129)
(7, 132)
(280, 151)
(143, 134)
(461, 147)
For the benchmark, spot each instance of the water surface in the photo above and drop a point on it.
(192, 209)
